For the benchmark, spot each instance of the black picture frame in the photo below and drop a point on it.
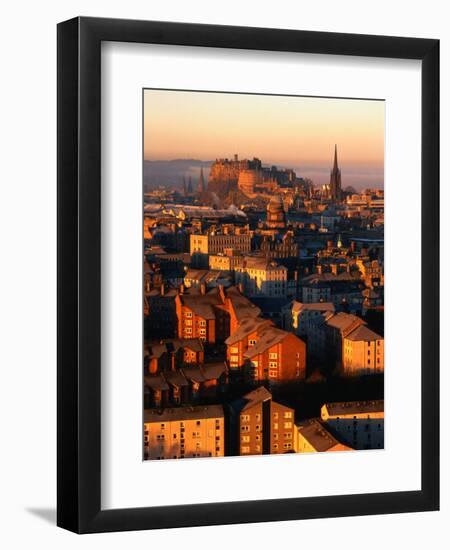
(79, 276)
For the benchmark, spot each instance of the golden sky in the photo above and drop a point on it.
(292, 132)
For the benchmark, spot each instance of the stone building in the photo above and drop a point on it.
(259, 425)
(359, 424)
(276, 216)
(184, 432)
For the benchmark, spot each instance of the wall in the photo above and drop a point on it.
(28, 231)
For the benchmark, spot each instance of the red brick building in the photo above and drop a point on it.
(259, 425)
(211, 315)
(263, 352)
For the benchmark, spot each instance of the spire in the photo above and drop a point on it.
(335, 165)
(201, 182)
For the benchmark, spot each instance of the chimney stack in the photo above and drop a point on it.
(203, 289)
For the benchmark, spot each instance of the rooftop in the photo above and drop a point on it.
(355, 407)
(317, 435)
(363, 333)
(183, 413)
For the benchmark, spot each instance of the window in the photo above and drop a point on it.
(245, 418)
(188, 314)
(275, 416)
(162, 426)
(257, 417)
(288, 414)
(203, 331)
(273, 365)
(287, 425)
(273, 355)
(245, 449)
(245, 428)
(275, 425)
(203, 323)
(234, 349)
(251, 342)
(245, 439)
(198, 423)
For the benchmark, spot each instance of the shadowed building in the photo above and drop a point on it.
(356, 423)
(259, 425)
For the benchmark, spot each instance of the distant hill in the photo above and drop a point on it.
(171, 172)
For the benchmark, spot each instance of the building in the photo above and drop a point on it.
(214, 243)
(160, 320)
(169, 354)
(363, 352)
(313, 437)
(297, 316)
(279, 247)
(359, 424)
(262, 277)
(242, 338)
(265, 353)
(259, 425)
(276, 216)
(209, 277)
(337, 328)
(335, 189)
(307, 320)
(185, 385)
(372, 272)
(211, 315)
(184, 432)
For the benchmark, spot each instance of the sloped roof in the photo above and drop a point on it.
(355, 407)
(256, 396)
(343, 320)
(267, 339)
(247, 326)
(317, 435)
(363, 333)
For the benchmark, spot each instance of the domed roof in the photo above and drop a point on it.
(275, 204)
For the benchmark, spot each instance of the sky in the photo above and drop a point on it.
(288, 131)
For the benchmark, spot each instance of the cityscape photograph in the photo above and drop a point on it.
(263, 274)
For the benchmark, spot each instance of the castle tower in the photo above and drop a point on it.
(335, 180)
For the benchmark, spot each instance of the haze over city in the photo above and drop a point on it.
(287, 131)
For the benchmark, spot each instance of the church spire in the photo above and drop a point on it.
(335, 179)
(201, 182)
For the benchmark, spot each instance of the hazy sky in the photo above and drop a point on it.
(292, 132)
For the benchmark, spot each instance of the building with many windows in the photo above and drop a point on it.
(259, 425)
(362, 352)
(184, 432)
(359, 424)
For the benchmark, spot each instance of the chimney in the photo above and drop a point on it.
(203, 289)
(181, 289)
(319, 268)
(163, 289)
(334, 269)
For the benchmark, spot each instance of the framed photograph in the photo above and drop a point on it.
(248, 258)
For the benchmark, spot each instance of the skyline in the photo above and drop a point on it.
(288, 131)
